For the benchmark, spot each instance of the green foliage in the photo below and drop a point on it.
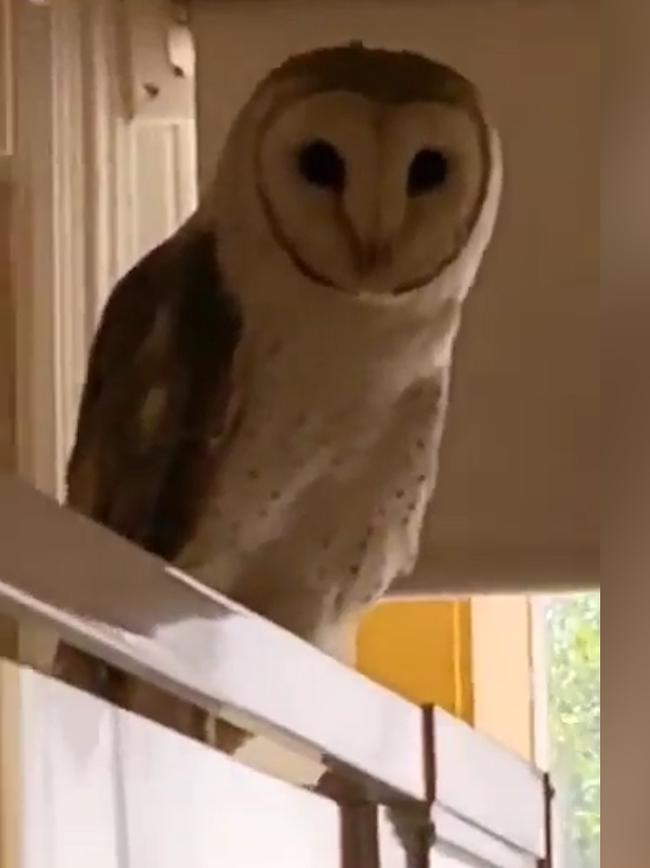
(573, 625)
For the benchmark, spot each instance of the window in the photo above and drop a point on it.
(567, 666)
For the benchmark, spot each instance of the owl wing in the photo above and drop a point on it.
(160, 398)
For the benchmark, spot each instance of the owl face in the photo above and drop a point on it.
(367, 170)
(368, 197)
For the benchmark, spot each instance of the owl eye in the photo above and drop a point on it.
(427, 172)
(320, 164)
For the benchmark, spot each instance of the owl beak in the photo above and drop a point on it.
(373, 256)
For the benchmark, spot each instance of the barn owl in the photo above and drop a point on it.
(267, 389)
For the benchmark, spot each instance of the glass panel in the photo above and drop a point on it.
(569, 722)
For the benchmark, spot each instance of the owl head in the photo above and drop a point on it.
(370, 173)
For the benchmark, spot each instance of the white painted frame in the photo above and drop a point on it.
(93, 190)
(48, 190)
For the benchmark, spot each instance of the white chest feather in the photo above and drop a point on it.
(320, 500)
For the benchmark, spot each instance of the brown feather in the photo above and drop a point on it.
(159, 396)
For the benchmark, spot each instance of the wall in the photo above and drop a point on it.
(471, 657)
(502, 676)
(420, 649)
(7, 370)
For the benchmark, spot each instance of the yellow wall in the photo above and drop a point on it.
(502, 672)
(421, 650)
(472, 658)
